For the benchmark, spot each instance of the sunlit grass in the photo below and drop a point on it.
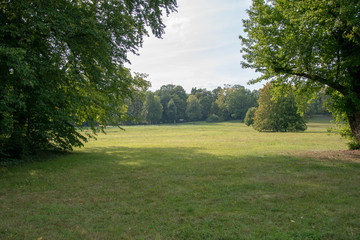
(187, 181)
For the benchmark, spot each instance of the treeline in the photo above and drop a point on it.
(171, 104)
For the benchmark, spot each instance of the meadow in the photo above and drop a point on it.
(187, 181)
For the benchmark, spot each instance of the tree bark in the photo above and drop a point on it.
(354, 121)
(15, 143)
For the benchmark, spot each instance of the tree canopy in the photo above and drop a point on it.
(313, 45)
(61, 63)
(178, 95)
(249, 117)
(153, 109)
(278, 113)
(193, 108)
(234, 101)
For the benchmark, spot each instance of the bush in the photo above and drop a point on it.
(249, 117)
(214, 118)
(278, 114)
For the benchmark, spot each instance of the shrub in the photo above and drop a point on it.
(214, 118)
(249, 117)
(278, 114)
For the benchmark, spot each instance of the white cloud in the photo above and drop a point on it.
(200, 47)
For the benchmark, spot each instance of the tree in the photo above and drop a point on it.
(206, 99)
(239, 101)
(234, 101)
(249, 117)
(220, 107)
(178, 94)
(135, 104)
(180, 104)
(61, 63)
(318, 105)
(278, 113)
(205, 103)
(193, 108)
(152, 108)
(312, 44)
(172, 111)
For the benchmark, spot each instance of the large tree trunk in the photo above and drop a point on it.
(15, 144)
(354, 121)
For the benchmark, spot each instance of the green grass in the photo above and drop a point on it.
(188, 181)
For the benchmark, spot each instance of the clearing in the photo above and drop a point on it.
(188, 181)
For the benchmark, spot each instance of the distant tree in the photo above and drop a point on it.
(221, 104)
(179, 96)
(249, 117)
(134, 110)
(205, 103)
(234, 101)
(239, 100)
(165, 96)
(313, 45)
(172, 111)
(135, 104)
(213, 118)
(318, 105)
(214, 108)
(180, 104)
(206, 99)
(153, 109)
(278, 114)
(194, 90)
(193, 108)
(216, 92)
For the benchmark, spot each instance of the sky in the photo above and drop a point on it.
(200, 47)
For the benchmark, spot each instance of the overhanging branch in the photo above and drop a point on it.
(315, 78)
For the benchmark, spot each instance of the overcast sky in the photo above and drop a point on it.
(200, 47)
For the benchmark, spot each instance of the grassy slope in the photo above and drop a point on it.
(201, 181)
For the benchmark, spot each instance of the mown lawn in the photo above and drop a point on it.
(188, 181)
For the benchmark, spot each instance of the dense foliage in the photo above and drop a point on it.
(193, 108)
(315, 45)
(61, 63)
(178, 95)
(153, 109)
(278, 113)
(220, 104)
(233, 102)
(249, 117)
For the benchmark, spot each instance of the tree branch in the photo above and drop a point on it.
(315, 78)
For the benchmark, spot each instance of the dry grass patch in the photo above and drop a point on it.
(338, 155)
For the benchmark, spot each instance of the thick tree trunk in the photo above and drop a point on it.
(15, 144)
(354, 121)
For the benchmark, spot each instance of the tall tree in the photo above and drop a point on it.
(249, 117)
(152, 109)
(239, 101)
(278, 113)
(206, 99)
(172, 111)
(178, 94)
(135, 104)
(220, 105)
(193, 108)
(313, 45)
(234, 101)
(61, 63)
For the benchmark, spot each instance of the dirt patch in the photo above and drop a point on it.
(342, 155)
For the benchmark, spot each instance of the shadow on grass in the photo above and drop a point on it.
(180, 193)
(106, 157)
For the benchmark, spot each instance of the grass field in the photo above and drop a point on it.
(187, 181)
